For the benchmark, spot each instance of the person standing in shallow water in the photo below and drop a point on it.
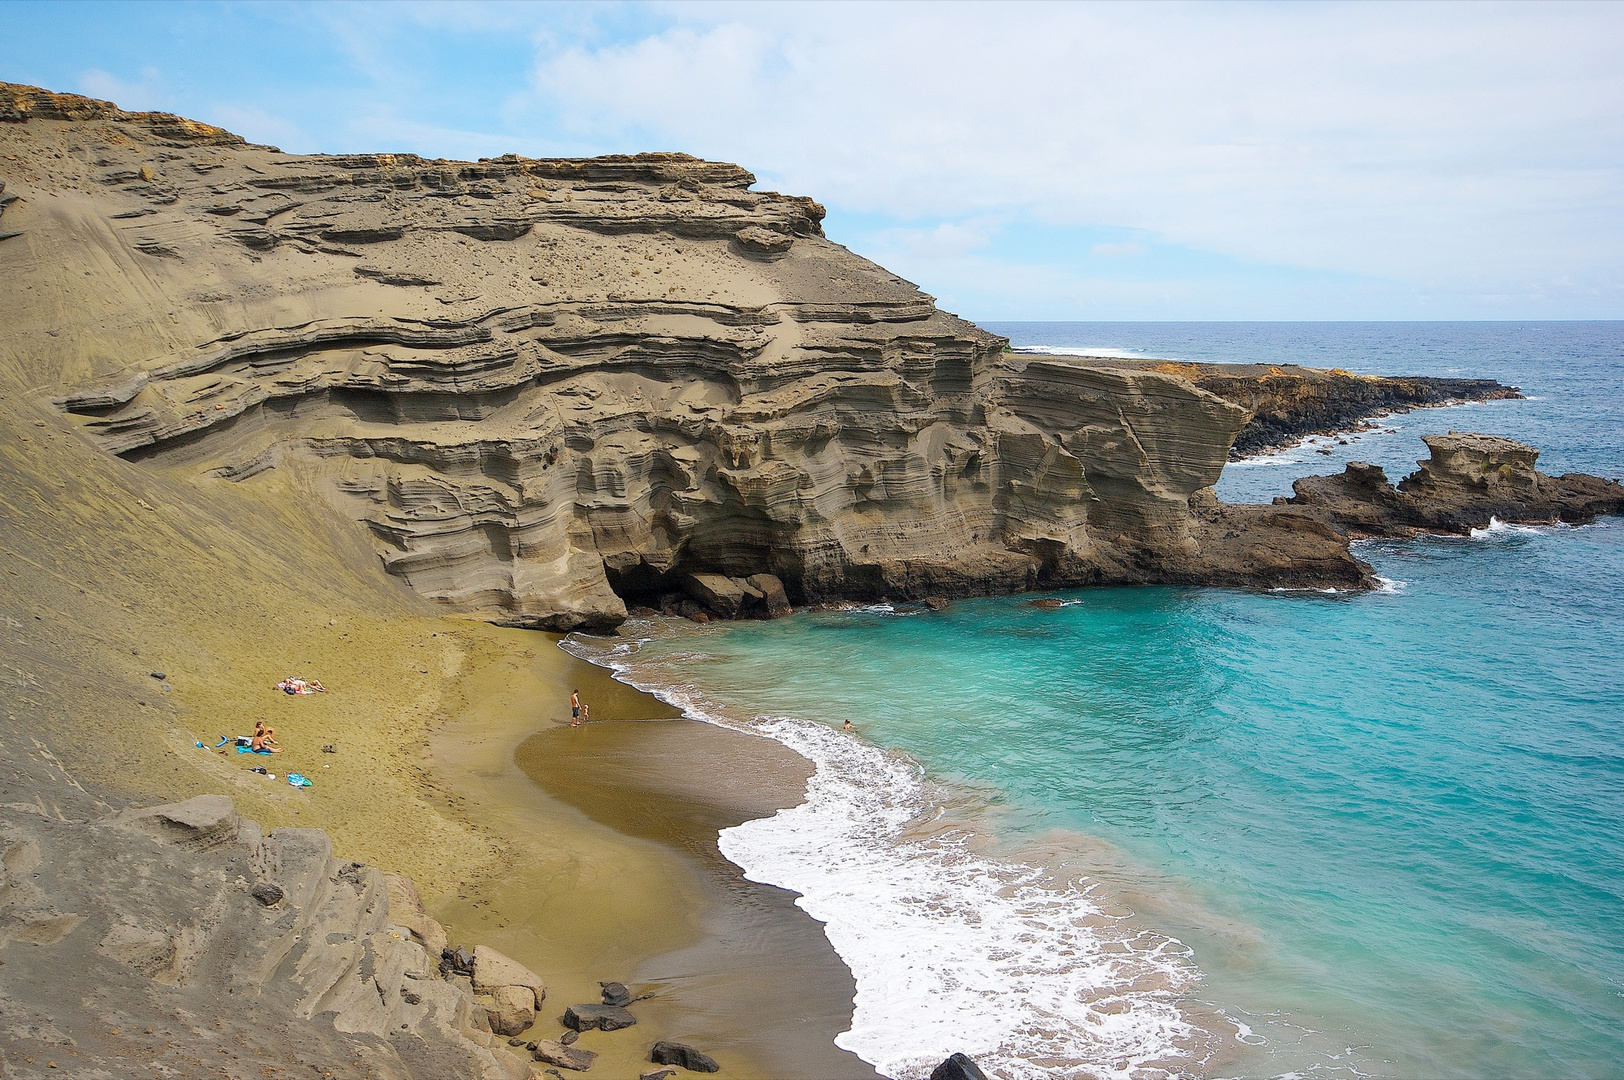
(848, 726)
(575, 708)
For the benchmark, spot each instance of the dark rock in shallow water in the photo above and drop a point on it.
(568, 1038)
(602, 1017)
(957, 1067)
(616, 993)
(1048, 603)
(266, 893)
(666, 1052)
(656, 1074)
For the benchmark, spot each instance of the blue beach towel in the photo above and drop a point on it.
(298, 781)
(250, 750)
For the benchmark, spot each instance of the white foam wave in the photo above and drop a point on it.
(1497, 529)
(1390, 586)
(1306, 451)
(1084, 350)
(951, 951)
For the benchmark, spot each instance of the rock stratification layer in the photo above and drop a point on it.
(550, 386)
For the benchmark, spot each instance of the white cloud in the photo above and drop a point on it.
(1473, 148)
(143, 95)
(259, 126)
(1118, 251)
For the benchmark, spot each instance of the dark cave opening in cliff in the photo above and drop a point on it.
(643, 585)
(690, 587)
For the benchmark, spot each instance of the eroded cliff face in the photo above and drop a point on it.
(549, 386)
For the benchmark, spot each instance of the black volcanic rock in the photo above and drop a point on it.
(957, 1067)
(1468, 481)
(666, 1052)
(602, 1017)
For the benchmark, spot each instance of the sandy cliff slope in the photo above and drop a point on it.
(547, 387)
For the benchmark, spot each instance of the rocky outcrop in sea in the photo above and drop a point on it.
(1468, 482)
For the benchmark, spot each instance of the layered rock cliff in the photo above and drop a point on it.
(546, 387)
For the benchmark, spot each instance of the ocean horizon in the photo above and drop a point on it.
(1169, 831)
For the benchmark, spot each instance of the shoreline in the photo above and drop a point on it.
(610, 870)
(1365, 425)
(939, 844)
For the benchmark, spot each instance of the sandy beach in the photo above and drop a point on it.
(608, 867)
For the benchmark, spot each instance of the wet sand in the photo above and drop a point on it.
(611, 869)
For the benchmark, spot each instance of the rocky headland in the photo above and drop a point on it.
(259, 406)
(1468, 482)
(1286, 402)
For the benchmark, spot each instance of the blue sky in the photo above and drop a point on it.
(1046, 161)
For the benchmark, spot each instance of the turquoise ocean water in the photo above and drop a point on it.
(1226, 833)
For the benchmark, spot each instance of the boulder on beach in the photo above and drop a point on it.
(720, 595)
(773, 596)
(510, 1009)
(602, 1017)
(666, 1052)
(492, 970)
(565, 1057)
(615, 993)
(957, 1067)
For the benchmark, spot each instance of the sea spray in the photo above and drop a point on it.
(953, 951)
